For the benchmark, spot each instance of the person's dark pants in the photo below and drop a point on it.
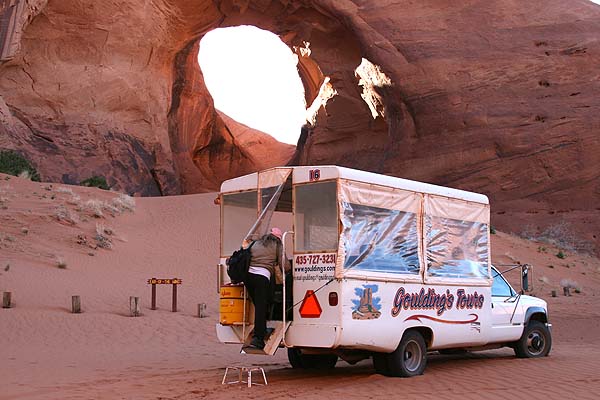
(259, 288)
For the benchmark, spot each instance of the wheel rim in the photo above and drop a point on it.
(412, 356)
(536, 343)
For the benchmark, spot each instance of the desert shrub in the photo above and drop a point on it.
(124, 202)
(13, 163)
(25, 175)
(95, 181)
(102, 239)
(561, 255)
(9, 238)
(111, 208)
(568, 283)
(95, 207)
(74, 200)
(492, 230)
(64, 189)
(62, 214)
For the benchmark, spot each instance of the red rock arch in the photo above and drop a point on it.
(496, 97)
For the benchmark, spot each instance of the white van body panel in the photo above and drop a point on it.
(376, 304)
(374, 315)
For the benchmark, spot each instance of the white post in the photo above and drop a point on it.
(75, 304)
(6, 300)
(202, 310)
(134, 306)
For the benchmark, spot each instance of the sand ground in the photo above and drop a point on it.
(48, 353)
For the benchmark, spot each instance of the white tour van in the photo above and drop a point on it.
(382, 267)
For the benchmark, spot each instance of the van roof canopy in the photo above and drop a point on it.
(301, 174)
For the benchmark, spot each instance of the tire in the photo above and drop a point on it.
(380, 363)
(410, 358)
(311, 361)
(295, 357)
(535, 342)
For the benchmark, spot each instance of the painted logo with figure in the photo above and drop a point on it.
(366, 306)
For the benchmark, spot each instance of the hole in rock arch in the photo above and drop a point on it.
(253, 78)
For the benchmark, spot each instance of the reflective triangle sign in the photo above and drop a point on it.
(310, 307)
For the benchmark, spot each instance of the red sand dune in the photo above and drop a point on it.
(48, 353)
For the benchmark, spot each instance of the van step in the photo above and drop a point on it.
(272, 341)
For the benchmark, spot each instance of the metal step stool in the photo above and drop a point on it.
(248, 371)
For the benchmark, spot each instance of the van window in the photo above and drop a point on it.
(266, 194)
(500, 287)
(380, 240)
(455, 248)
(315, 217)
(239, 215)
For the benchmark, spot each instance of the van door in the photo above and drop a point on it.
(316, 311)
(504, 301)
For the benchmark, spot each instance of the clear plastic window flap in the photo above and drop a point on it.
(456, 238)
(316, 225)
(239, 214)
(269, 196)
(379, 229)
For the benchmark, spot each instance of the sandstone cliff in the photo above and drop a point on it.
(497, 97)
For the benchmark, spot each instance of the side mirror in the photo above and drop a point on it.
(525, 278)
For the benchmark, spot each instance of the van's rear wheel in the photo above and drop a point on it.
(536, 341)
(311, 361)
(295, 358)
(410, 358)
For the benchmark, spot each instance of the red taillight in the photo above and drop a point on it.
(310, 307)
(333, 299)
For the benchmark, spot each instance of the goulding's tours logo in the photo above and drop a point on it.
(366, 306)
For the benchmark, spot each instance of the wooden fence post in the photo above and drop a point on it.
(76, 304)
(201, 310)
(566, 291)
(174, 298)
(134, 306)
(6, 300)
(553, 293)
(153, 305)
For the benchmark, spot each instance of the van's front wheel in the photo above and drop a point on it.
(536, 341)
(410, 358)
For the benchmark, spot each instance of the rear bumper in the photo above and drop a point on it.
(322, 336)
(232, 334)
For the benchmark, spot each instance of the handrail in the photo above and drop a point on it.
(282, 265)
(219, 270)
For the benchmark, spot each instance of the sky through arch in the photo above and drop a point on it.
(253, 78)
